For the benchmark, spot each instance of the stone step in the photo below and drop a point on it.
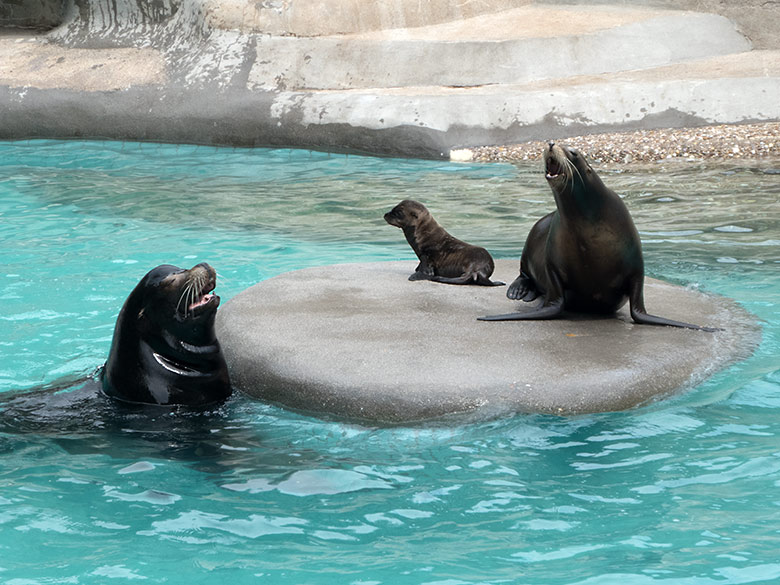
(706, 91)
(531, 44)
(329, 17)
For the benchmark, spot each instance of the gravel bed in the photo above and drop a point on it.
(723, 142)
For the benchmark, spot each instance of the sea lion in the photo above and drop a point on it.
(586, 256)
(443, 258)
(165, 350)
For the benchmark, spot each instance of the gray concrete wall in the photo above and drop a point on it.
(402, 77)
(335, 17)
(758, 20)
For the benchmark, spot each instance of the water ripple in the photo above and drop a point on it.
(195, 521)
(312, 482)
(677, 492)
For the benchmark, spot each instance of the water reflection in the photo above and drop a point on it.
(314, 197)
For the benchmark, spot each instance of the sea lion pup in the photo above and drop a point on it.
(442, 257)
(586, 256)
(165, 350)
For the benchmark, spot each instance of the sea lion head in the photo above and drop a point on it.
(407, 214)
(165, 349)
(567, 171)
(181, 300)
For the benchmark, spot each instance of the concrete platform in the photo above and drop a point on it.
(399, 77)
(360, 341)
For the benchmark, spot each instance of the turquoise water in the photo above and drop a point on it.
(683, 492)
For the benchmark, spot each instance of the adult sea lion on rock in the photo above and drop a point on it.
(586, 256)
(443, 258)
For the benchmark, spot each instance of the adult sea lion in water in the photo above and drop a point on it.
(586, 256)
(443, 258)
(165, 350)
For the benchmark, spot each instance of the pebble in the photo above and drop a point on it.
(732, 141)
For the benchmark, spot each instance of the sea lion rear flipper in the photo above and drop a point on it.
(547, 311)
(641, 316)
(483, 280)
(463, 279)
(469, 278)
(646, 319)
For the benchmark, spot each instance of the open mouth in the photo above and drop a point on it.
(205, 297)
(202, 296)
(552, 168)
(198, 292)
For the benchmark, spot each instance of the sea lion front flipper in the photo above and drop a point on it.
(522, 288)
(547, 311)
(641, 316)
(424, 271)
(551, 308)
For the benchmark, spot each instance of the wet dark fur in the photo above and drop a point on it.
(443, 258)
(165, 350)
(586, 256)
(164, 353)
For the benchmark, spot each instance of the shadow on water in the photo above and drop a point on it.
(77, 417)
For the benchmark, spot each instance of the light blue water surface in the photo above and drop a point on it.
(683, 492)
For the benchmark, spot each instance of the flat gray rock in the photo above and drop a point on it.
(361, 341)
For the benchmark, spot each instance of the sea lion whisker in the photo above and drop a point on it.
(185, 295)
(570, 170)
(181, 298)
(222, 278)
(195, 290)
(198, 286)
